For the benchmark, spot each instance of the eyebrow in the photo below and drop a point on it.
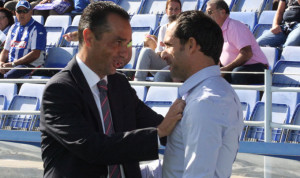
(168, 43)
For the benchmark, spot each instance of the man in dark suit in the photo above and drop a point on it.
(77, 139)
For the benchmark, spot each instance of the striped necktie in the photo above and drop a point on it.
(114, 170)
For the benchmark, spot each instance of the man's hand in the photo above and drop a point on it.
(71, 36)
(173, 116)
(276, 29)
(224, 69)
(2, 71)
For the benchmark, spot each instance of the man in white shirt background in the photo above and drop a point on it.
(205, 142)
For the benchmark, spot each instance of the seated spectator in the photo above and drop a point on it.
(241, 52)
(25, 44)
(150, 41)
(60, 7)
(148, 59)
(6, 20)
(285, 30)
(11, 5)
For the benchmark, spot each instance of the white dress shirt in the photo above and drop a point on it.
(92, 79)
(205, 142)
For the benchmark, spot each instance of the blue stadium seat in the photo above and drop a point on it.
(21, 121)
(293, 136)
(248, 98)
(75, 21)
(9, 90)
(202, 5)
(272, 55)
(65, 43)
(59, 57)
(135, 54)
(141, 92)
(248, 18)
(230, 3)
(189, 5)
(144, 20)
(138, 35)
(39, 19)
(34, 90)
(256, 6)
(161, 98)
(54, 36)
(290, 53)
(287, 67)
(154, 7)
(264, 23)
(58, 21)
(280, 114)
(131, 6)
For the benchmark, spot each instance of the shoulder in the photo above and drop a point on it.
(38, 26)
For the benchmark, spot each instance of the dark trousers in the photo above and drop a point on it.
(245, 79)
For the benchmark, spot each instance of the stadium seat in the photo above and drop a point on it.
(135, 54)
(59, 57)
(9, 90)
(141, 92)
(138, 35)
(39, 19)
(154, 7)
(164, 20)
(20, 121)
(256, 6)
(65, 43)
(288, 67)
(248, 98)
(272, 55)
(189, 5)
(161, 98)
(248, 18)
(293, 136)
(264, 23)
(131, 6)
(144, 20)
(230, 3)
(34, 90)
(290, 53)
(280, 114)
(54, 36)
(58, 21)
(75, 21)
(202, 5)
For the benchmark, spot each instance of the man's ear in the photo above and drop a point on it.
(88, 35)
(192, 45)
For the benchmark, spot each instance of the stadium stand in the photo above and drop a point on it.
(144, 20)
(8, 91)
(248, 18)
(58, 21)
(75, 21)
(141, 92)
(66, 43)
(161, 98)
(293, 136)
(272, 55)
(138, 35)
(131, 6)
(58, 57)
(248, 99)
(154, 7)
(290, 53)
(39, 19)
(189, 5)
(256, 6)
(54, 36)
(286, 67)
(230, 3)
(135, 54)
(264, 23)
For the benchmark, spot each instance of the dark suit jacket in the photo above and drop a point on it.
(73, 143)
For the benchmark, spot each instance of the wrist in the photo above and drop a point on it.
(13, 64)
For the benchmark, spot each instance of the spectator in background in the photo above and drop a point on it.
(148, 59)
(6, 20)
(285, 30)
(241, 52)
(150, 41)
(61, 7)
(25, 44)
(11, 5)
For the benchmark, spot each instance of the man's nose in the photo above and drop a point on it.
(163, 55)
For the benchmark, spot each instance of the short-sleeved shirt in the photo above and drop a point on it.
(21, 40)
(160, 38)
(292, 11)
(237, 36)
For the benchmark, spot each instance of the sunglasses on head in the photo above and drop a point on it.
(24, 11)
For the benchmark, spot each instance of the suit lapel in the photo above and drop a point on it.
(81, 82)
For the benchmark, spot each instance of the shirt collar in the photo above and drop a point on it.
(225, 24)
(28, 24)
(91, 77)
(197, 78)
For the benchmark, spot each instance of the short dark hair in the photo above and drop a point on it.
(95, 16)
(203, 29)
(220, 4)
(9, 15)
